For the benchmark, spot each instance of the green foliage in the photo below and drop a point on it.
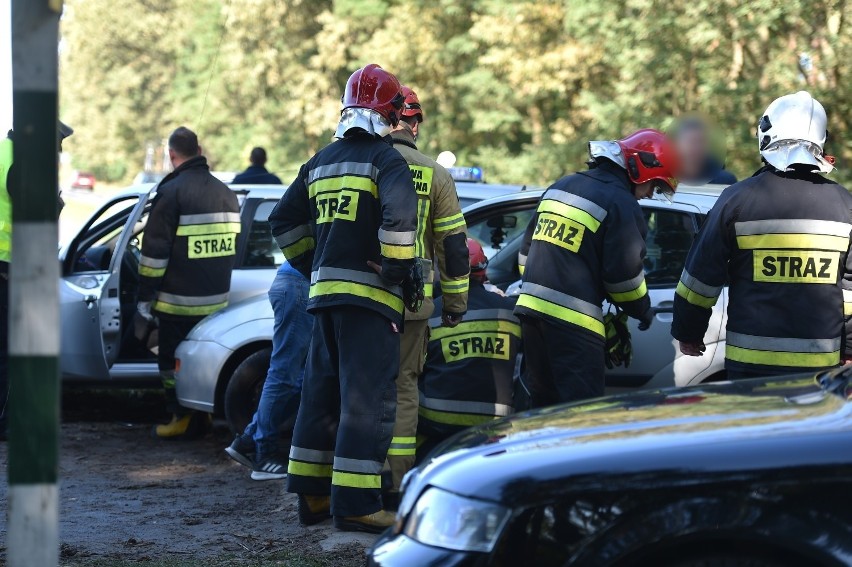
(516, 86)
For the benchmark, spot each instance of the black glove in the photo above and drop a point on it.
(413, 292)
(619, 349)
(647, 319)
(451, 319)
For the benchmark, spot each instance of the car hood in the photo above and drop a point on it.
(713, 429)
(213, 327)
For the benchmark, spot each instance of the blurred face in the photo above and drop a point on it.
(693, 149)
(643, 190)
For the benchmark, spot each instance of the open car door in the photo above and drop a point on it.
(94, 309)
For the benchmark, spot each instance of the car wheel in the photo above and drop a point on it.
(244, 387)
(726, 561)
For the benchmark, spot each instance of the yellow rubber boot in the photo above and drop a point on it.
(314, 509)
(374, 523)
(190, 426)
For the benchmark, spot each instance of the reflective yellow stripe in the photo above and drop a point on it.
(397, 252)
(562, 313)
(455, 286)
(353, 480)
(334, 184)
(358, 290)
(308, 469)
(521, 268)
(464, 419)
(429, 289)
(403, 446)
(151, 272)
(476, 327)
(567, 211)
(188, 310)
(301, 246)
(423, 209)
(695, 298)
(632, 295)
(796, 241)
(445, 224)
(213, 228)
(796, 266)
(775, 358)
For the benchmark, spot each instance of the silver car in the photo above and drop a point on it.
(224, 361)
(100, 280)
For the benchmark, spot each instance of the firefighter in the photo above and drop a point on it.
(441, 238)
(780, 239)
(185, 270)
(586, 243)
(349, 223)
(469, 370)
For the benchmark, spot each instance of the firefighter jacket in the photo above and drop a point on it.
(586, 243)
(440, 229)
(6, 159)
(190, 243)
(781, 242)
(351, 203)
(469, 371)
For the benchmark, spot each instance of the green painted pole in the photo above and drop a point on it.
(33, 527)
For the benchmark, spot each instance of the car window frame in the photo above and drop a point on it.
(247, 219)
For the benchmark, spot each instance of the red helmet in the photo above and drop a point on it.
(650, 155)
(375, 89)
(478, 260)
(412, 104)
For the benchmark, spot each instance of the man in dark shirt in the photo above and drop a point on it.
(256, 174)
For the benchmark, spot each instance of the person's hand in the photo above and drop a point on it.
(450, 319)
(144, 310)
(645, 322)
(376, 267)
(692, 349)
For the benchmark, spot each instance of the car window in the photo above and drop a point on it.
(496, 230)
(95, 246)
(261, 248)
(670, 234)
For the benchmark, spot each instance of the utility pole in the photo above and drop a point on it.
(33, 528)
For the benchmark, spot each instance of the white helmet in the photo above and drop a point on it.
(793, 131)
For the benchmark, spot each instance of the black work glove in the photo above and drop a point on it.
(413, 288)
(647, 319)
(451, 319)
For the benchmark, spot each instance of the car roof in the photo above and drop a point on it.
(255, 191)
(483, 191)
(701, 196)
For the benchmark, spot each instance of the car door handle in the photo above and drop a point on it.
(664, 311)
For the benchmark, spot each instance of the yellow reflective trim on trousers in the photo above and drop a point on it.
(397, 252)
(151, 272)
(188, 310)
(299, 247)
(569, 212)
(695, 298)
(775, 358)
(495, 326)
(521, 268)
(308, 469)
(358, 290)
(633, 295)
(795, 241)
(354, 480)
(464, 419)
(563, 313)
(212, 228)
(334, 184)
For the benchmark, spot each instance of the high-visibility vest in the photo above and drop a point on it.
(6, 159)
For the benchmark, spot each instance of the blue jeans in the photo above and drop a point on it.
(279, 400)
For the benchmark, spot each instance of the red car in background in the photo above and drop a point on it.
(83, 180)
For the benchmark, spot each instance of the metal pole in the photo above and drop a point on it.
(33, 529)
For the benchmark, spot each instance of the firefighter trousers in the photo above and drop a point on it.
(171, 332)
(345, 421)
(563, 364)
(412, 357)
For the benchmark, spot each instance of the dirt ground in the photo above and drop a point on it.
(127, 498)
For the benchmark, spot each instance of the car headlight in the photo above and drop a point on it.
(445, 520)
